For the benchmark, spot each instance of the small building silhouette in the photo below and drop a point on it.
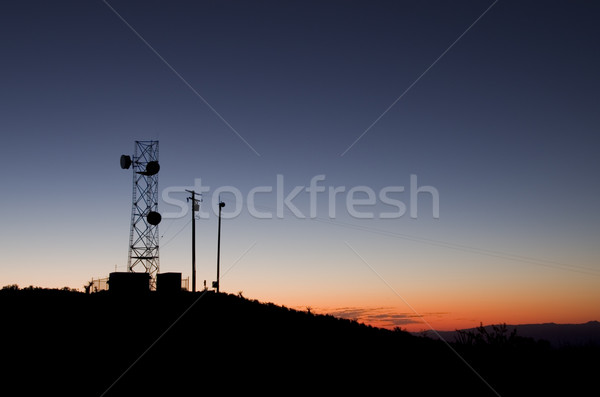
(129, 283)
(169, 283)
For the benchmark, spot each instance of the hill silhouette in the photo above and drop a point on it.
(63, 342)
(558, 335)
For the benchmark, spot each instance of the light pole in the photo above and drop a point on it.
(221, 205)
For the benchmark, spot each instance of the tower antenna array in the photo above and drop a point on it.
(143, 236)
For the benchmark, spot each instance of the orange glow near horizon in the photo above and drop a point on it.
(447, 321)
(442, 303)
(446, 312)
(440, 313)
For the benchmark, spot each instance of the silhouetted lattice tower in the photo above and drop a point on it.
(143, 237)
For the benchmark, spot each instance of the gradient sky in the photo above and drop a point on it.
(504, 125)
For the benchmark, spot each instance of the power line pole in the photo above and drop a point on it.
(195, 207)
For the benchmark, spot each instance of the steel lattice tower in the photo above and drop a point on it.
(143, 237)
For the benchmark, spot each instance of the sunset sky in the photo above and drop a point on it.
(493, 105)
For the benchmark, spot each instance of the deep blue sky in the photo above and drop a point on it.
(504, 125)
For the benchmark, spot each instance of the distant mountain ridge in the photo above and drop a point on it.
(558, 335)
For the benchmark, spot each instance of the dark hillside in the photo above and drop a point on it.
(68, 343)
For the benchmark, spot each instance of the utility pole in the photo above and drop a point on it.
(221, 205)
(195, 207)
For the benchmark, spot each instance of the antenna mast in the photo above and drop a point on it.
(143, 236)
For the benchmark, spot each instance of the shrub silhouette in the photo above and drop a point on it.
(498, 336)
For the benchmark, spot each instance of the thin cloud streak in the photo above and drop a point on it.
(384, 317)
